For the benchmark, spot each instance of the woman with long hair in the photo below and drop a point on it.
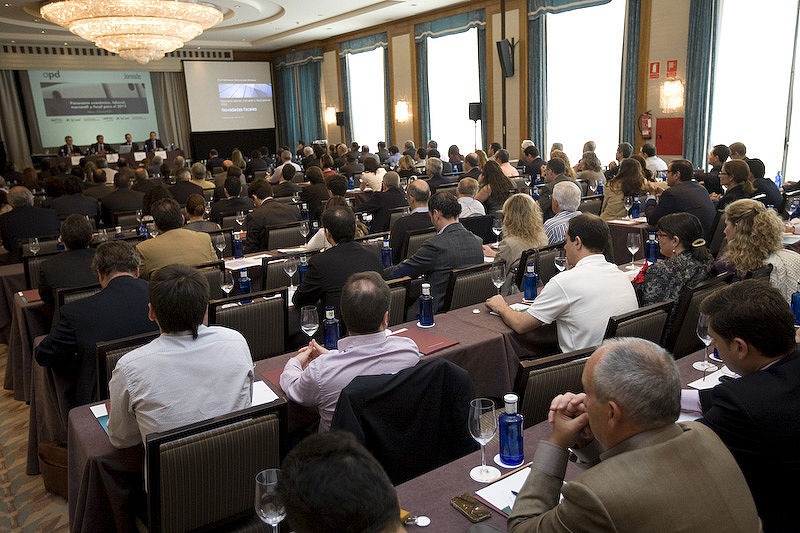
(405, 167)
(318, 241)
(628, 182)
(754, 235)
(591, 170)
(523, 228)
(482, 158)
(734, 176)
(238, 159)
(372, 177)
(327, 165)
(495, 187)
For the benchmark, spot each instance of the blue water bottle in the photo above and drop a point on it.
(238, 245)
(599, 187)
(796, 305)
(778, 179)
(118, 233)
(651, 248)
(426, 307)
(304, 211)
(303, 266)
(529, 281)
(244, 284)
(314, 227)
(351, 183)
(511, 422)
(386, 253)
(535, 193)
(330, 329)
(60, 246)
(143, 229)
(636, 207)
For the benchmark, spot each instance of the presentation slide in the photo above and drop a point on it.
(229, 95)
(85, 104)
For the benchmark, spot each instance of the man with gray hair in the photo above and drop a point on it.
(410, 150)
(184, 188)
(466, 191)
(433, 169)
(381, 203)
(24, 221)
(589, 146)
(566, 200)
(286, 159)
(417, 193)
(199, 174)
(642, 463)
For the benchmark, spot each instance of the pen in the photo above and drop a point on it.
(515, 493)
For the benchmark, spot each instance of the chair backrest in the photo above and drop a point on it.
(32, 265)
(584, 185)
(469, 286)
(396, 214)
(540, 380)
(398, 293)
(591, 204)
(284, 236)
(126, 219)
(481, 226)
(682, 338)
(413, 240)
(230, 223)
(110, 352)
(259, 174)
(208, 194)
(645, 323)
(760, 273)
(543, 259)
(211, 271)
(412, 421)
(299, 177)
(261, 317)
(72, 294)
(717, 234)
(228, 234)
(525, 258)
(188, 488)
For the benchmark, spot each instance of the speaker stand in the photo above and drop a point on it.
(475, 123)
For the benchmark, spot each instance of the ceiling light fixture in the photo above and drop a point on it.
(137, 30)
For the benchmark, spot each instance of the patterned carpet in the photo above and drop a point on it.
(25, 506)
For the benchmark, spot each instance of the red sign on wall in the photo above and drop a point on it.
(655, 70)
(672, 68)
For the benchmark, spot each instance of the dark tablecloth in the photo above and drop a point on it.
(29, 320)
(12, 280)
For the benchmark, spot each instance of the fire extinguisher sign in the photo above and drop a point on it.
(672, 68)
(655, 70)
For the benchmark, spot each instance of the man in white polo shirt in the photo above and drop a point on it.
(579, 300)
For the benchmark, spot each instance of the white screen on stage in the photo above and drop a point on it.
(85, 104)
(229, 95)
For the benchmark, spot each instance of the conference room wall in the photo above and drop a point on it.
(513, 108)
(329, 91)
(404, 86)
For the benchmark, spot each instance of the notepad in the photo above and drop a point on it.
(245, 262)
(100, 412)
(262, 393)
(499, 495)
(292, 250)
(712, 380)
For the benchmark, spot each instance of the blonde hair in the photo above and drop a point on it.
(758, 234)
(405, 163)
(482, 158)
(237, 159)
(561, 155)
(522, 218)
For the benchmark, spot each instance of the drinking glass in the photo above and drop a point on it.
(290, 267)
(634, 243)
(240, 219)
(219, 243)
(208, 208)
(304, 229)
(702, 333)
(560, 260)
(33, 245)
(226, 281)
(791, 207)
(139, 216)
(497, 228)
(102, 235)
(498, 275)
(483, 426)
(628, 205)
(309, 320)
(151, 229)
(269, 506)
(593, 187)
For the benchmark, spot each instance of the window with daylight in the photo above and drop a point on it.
(453, 83)
(367, 97)
(584, 68)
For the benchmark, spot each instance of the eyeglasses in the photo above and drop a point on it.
(724, 174)
(662, 234)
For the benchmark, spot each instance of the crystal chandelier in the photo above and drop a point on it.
(139, 30)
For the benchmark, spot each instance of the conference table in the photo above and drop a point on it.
(138, 157)
(12, 280)
(620, 228)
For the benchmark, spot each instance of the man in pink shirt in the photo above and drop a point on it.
(315, 376)
(502, 157)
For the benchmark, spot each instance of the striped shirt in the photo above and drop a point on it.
(556, 227)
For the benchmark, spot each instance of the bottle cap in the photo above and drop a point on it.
(303, 258)
(511, 400)
(329, 312)
(119, 229)
(243, 273)
(531, 267)
(426, 289)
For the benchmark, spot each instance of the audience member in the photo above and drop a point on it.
(493, 149)
(565, 204)
(142, 181)
(471, 168)
(465, 192)
(195, 209)
(624, 151)
(340, 160)
(372, 177)
(238, 159)
(629, 181)
(72, 201)
(738, 151)
(590, 169)
(154, 194)
(199, 174)
(502, 157)
(683, 195)
(184, 188)
(25, 221)
(568, 170)
(286, 187)
(327, 166)
(337, 185)
(256, 164)
(531, 162)
(382, 153)
(417, 194)
(316, 193)
(581, 299)
(214, 160)
(409, 149)
(405, 167)
(72, 268)
(589, 146)
(286, 160)
(764, 186)
(433, 170)
(267, 213)
(319, 241)
(495, 187)
(315, 376)
(233, 203)
(553, 174)
(381, 203)
(165, 384)
(121, 200)
(716, 158)
(352, 166)
(628, 412)
(30, 179)
(394, 156)
(419, 158)
(734, 176)
(454, 157)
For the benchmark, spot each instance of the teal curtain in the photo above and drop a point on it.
(387, 87)
(439, 28)
(297, 96)
(537, 80)
(355, 46)
(538, 8)
(630, 72)
(699, 63)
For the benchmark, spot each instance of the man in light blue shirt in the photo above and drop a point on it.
(566, 200)
(394, 156)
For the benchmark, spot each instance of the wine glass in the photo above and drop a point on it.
(483, 426)
(498, 275)
(309, 321)
(139, 216)
(219, 243)
(269, 506)
(226, 281)
(290, 267)
(628, 205)
(240, 219)
(208, 208)
(34, 246)
(702, 333)
(634, 243)
(497, 228)
(560, 260)
(304, 229)
(791, 207)
(102, 235)
(593, 187)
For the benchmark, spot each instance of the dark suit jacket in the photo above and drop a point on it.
(733, 194)
(756, 416)
(768, 187)
(383, 155)
(75, 203)
(473, 173)
(254, 165)
(315, 195)
(76, 150)
(214, 162)
(348, 169)
(228, 207)
(546, 196)
(437, 181)
(99, 191)
(183, 189)
(339, 162)
(710, 180)
(269, 213)
(72, 268)
(310, 161)
(684, 197)
(401, 226)
(119, 310)
(22, 223)
(328, 271)
(119, 201)
(533, 169)
(287, 188)
(148, 145)
(143, 186)
(455, 247)
(94, 148)
(380, 205)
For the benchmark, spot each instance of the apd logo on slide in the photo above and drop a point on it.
(52, 75)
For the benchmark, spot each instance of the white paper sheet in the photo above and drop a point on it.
(99, 410)
(245, 262)
(138, 156)
(488, 259)
(712, 380)
(499, 495)
(76, 160)
(292, 250)
(688, 416)
(262, 393)
(401, 330)
(161, 153)
(519, 307)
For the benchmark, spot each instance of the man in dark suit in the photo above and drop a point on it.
(101, 188)
(763, 185)
(232, 203)
(409, 149)
(710, 180)
(153, 143)
(417, 195)
(73, 202)
(285, 187)
(25, 221)
(118, 310)
(380, 204)
(340, 160)
(756, 416)
(143, 182)
(214, 160)
(100, 147)
(327, 272)
(554, 173)
(129, 142)
(352, 166)
(309, 159)
(68, 149)
(382, 153)
(433, 168)
(267, 213)
(121, 200)
(316, 194)
(184, 188)
(452, 247)
(683, 196)
(256, 164)
(471, 168)
(531, 162)
(72, 268)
